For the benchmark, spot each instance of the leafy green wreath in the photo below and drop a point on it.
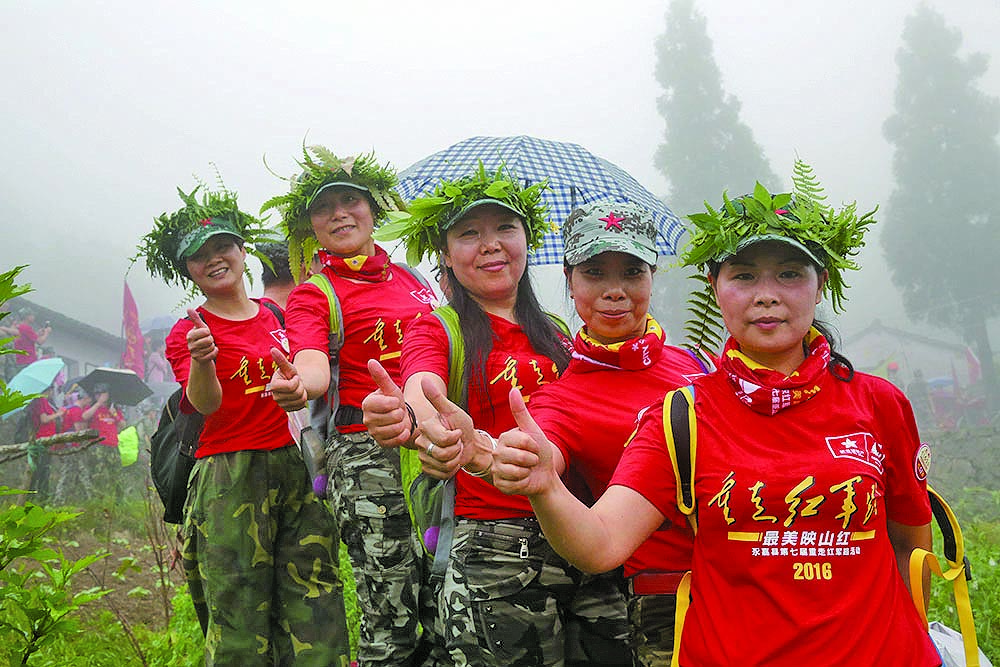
(421, 229)
(159, 246)
(320, 166)
(835, 237)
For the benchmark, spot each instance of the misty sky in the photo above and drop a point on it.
(108, 106)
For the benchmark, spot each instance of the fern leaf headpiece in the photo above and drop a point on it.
(423, 229)
(322, 169)
(829, 237)
(178, 235)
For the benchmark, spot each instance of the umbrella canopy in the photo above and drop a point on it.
(158, 323)
(576, 177)
(36, 376)
(124, 386)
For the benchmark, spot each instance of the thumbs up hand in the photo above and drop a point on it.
(384, 410)
(286, 386)
(200, 342)
(523, 461)
(449, 439)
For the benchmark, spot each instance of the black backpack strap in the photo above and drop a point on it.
(679, 430)
(274, 308)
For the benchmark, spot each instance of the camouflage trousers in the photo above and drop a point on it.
(651, 618)
(260, 553)
(73, 477)
(367, 497)
(508, 599)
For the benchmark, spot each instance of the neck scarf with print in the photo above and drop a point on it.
(631, 355)
(371, 269)
(767, 391)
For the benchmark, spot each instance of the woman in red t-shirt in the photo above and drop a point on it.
(503, 583)
(260, 549)
(809, 481)
(378, 299)
(609, 261)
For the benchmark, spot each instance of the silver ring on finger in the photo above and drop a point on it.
(430, 448)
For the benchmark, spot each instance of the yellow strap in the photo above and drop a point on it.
(963, 604)
(680, 611)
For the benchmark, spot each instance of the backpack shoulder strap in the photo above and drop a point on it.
(457, 391)
(322, 420)
(274, 309)
(680, 431)
(560, 324)
(416, 274)
(321, 281)
(958, 573)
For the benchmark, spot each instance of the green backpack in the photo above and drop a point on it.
(431, 500)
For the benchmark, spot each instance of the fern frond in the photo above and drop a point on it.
(703, 329)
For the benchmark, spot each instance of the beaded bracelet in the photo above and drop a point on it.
(485, 471)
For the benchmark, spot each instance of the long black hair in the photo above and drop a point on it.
(478, 336)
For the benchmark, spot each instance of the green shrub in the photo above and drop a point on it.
(37, 602)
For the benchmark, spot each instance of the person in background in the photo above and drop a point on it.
(277, 279)
(260, 550)
(157, 368)
(105, 461)
(74, 482)
(28, 339)
(336, 207)
(809, 480)
(45, 421)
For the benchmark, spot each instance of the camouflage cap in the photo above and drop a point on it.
(192, 242)
(607, 226)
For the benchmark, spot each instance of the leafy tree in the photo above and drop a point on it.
(941, 227)
(706, 148)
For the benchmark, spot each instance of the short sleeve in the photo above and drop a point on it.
(307, 319)
(907, 460)
(425, 349)
(645, 466)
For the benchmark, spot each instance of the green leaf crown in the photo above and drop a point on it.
(834, 236)
(422, 229)
(159, 246)
(803, 215)
(320, 166)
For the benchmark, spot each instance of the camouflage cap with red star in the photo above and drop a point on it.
(607, 226)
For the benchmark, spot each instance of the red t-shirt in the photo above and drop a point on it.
(589, 414)
(375, 316)
(106, 423)
(41, 406)
(26, 342)
(73, 414)
(512, 361)
(248, 417)
(792, 563)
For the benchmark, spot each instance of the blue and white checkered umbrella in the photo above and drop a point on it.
(576, 177)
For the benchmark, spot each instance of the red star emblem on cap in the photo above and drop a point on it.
(206, 222)
(613, 221)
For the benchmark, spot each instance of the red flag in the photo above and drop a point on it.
(132, 356)
(975, 370)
